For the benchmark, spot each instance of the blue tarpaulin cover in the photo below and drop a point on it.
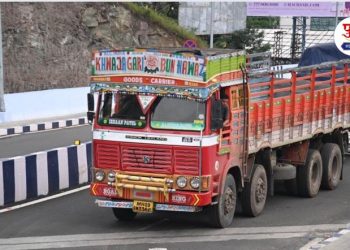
(325, 52)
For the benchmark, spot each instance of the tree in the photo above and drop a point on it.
(263, 22)
(249, 39)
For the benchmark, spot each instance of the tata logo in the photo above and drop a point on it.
(146, 159)
(187, 139)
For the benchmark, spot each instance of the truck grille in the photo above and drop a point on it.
(186, 161)
(107, 155)
(145, 159)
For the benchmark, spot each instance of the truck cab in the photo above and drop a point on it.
(159, 140)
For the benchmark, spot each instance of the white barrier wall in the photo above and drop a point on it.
(44, 173)
(33, 127)
(44, 104)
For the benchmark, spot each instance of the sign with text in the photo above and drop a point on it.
(149, 63)
(307, 9)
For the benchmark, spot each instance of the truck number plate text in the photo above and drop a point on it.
(142, 207)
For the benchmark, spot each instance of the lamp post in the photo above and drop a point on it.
(211, 26)
(2, 102)
(336, 14)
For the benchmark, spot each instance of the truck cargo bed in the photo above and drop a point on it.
(283, 111)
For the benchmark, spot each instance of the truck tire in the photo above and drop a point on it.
(221, 214)
(310, 175)
(124, 214)
(255, 192)
(332, 165)
(283, 171)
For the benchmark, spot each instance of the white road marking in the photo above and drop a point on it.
(166, 236)
(43, 200)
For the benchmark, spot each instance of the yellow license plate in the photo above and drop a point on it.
(142, 207)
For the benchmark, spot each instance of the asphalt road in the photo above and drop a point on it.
(34, 142)
(75, 222)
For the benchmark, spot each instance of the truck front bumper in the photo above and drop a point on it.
(157, 206)
(177, 198)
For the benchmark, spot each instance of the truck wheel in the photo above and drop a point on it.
(310, 175)
(255, 192)
(124, 214)
(332, 165)
(221, 214)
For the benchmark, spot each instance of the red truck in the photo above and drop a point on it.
(192, 130)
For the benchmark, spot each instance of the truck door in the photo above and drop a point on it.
(232, 136)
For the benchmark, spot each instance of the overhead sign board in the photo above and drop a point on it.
(307, 9)
(225, 17)
(344, 9)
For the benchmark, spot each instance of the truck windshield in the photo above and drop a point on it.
(120, 110)
(179, 114)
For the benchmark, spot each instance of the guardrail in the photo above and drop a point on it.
(42, 126)
(44, 173)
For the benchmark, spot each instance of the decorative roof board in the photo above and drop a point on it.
(170, 69)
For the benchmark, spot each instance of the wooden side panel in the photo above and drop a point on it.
(283, 111)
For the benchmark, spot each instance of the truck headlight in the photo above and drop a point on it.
(111, 176)
(99, 175)
(181, 181)
(195, 182)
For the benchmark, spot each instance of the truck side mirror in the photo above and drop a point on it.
(216, 121)
(91, 102)
(91, 107)
(90, 116)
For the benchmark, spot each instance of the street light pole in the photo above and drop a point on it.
(211, 26)
(2, 102)
(336, 14)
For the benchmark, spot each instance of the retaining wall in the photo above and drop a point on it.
(44, 104)
(44, 173)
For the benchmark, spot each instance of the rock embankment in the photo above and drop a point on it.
(49, 45)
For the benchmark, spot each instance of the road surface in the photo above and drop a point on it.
(24, 144)
(75, 222)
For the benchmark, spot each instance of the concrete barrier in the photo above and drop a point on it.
(42, 126)
(44, 173)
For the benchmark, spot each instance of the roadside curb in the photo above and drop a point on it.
(34, 127)
(44, 173)
(328, 243)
